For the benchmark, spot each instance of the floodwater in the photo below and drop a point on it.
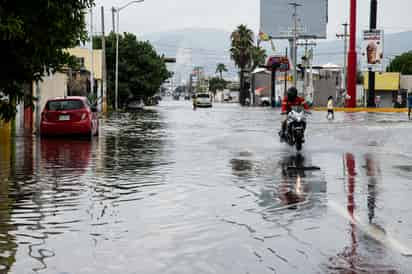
(172, 190)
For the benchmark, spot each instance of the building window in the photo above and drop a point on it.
(80, 61)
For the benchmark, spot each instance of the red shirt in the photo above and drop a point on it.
(299, 101)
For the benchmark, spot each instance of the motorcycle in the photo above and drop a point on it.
(295, 127)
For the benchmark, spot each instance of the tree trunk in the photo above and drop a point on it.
(241, 89)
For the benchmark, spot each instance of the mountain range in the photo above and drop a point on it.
(208, 47)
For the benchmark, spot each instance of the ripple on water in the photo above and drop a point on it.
(61, 186)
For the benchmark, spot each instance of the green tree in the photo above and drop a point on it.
(241, 53)
(220, 68)
(216, 83)
(258, 57)
(33, 37)
(402, 64)
(141, 69)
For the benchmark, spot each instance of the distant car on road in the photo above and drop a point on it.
(70, 115)
(265, 101)
(203, 100)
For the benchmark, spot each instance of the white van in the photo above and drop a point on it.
(203, 100)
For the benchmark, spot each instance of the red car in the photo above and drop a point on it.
(69, 115)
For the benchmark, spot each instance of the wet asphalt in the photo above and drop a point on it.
(172, 190)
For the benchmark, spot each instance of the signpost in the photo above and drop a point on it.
(372, 50)
(372, 59)
(274, 64)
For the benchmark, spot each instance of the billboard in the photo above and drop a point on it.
(372, 50)
(282, 63)
(277, 20)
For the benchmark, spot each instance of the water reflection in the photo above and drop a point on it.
(62, 157)
(364, 254)
(8, 243)
(51, 187)
(241, 167)
(300, 186)
(291, 190)
(372, 172)
(135, 143)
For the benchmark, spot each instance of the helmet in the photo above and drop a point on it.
(292, 94)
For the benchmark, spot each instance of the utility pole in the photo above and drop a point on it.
(371, 74)
(104, 71)
(91, 54)
(113, 20)
(286, 75)
(345, 36)
(295, 39)
(307, 63)
(352, 57)
(116, 84)
(273, 87)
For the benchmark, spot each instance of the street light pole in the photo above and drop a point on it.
(345, 36)
(295, 39)
(117, 10)
(116, 83)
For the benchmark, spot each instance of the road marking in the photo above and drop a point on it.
(372, 231)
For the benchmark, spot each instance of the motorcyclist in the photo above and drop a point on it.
(290, 100)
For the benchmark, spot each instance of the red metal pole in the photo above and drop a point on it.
(352, 58)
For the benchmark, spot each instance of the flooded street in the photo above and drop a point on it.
(172, 190)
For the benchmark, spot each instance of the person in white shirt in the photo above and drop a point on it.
(330, 107)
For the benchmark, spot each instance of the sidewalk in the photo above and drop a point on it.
(363, 109)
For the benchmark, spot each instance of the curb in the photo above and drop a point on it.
(370, 110)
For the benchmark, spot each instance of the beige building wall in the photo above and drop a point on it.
(97, 60)
(54, 85)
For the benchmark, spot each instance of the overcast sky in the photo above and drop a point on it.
(162, 15)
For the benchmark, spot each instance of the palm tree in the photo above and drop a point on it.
(258, 57)
(220, 69)
(241, 53)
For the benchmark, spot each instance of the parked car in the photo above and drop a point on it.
(265, 101)
(203, 100)
(70, 115)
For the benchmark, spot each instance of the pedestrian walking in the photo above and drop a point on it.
(330, 107)
(194, 98)
(409, 104)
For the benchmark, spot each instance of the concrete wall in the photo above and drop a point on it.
(52, 86)
(264, 80)
(323, 88)
(406, 82)
(235, 96)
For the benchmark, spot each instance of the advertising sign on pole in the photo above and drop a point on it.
(372, 50)
(281, 63)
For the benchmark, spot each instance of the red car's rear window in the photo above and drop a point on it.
(65, 105)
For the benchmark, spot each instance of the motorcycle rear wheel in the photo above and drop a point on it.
(299, 145)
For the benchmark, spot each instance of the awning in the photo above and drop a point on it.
(259, 90)
(259, 70)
